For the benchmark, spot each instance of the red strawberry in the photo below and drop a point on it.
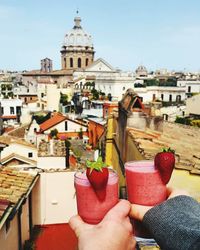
(97, 174)
(165, 162)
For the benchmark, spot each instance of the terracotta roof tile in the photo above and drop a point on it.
(13, 185)
(57, 118)
(180, 138)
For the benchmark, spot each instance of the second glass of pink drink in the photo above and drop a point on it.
(90, 208)
(144, 187)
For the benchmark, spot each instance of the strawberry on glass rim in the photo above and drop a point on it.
(165, 162)
(97, 174)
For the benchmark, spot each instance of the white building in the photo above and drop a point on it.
(107, 79)
(19, 151)
(166, 94)
(11, 109)
(192, 105)
(191, 86)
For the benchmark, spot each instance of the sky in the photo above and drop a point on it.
(126, 33)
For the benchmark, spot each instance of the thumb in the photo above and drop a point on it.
(76, 223)
(119, 211)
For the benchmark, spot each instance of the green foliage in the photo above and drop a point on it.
(139, 85)
(10, 94)
(170, 82)
(195, 123)
(183, 120)
(78, 153)
(102, 93)
(54, 133)
(95, 94)
(67, 144)
(9, 87)
(91, 84)
(109, 97)
(151, 82)
(167, 104)
(63, 99)
(3, 87)
(41, 118)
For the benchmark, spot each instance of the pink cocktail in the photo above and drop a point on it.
(144, 184)
(90, 208)
(144, 187)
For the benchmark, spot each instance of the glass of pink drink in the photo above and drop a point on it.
(144, 187)
(90, 208)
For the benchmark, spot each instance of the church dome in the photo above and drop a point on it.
(77, 36)
(141, 71)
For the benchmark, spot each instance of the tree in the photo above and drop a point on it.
(95, 94)
(41, 118)
(182, 120)
(54, 133)
(63, 99)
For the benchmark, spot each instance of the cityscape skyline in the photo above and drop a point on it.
(125, 33)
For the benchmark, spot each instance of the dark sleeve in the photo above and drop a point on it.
(175, 224)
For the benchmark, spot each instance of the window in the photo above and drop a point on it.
(170, 98)
(162, 97)
(71, 63)
(42, 94)
(189, 89)
(106, 112)
(30, 154)
(178, 98)
(86, 62)
(66, 126)
(12, 110)
(79, 62)
(2, 110)
(65, 63)
(165, 117)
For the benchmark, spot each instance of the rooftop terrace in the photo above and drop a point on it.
(184, 140)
